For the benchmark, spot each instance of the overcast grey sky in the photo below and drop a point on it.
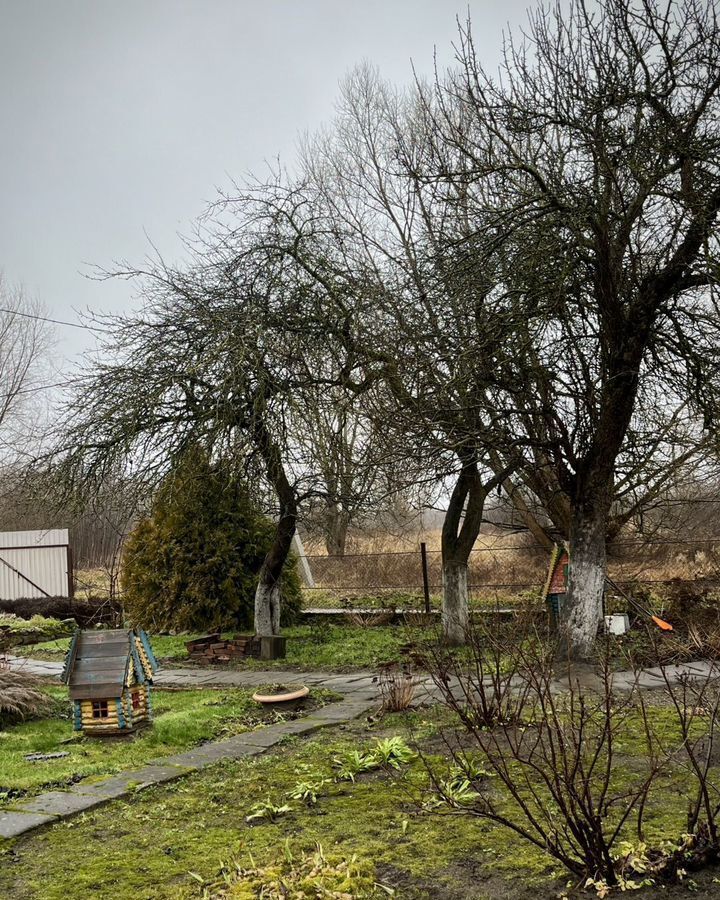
(120, 118)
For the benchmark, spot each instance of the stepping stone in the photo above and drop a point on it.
(107, 789)
(13, 824)
(266, 737)
(329, 714)
(299, 726)
(154, 774)
(203, 757)
(337, 682)
(59, 803)
(236, 748)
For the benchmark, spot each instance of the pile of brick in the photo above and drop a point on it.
(211, 648)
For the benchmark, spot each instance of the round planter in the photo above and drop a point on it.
(286, 697)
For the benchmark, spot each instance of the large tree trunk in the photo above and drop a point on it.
(459, 533)
(267, 607)
(586, 584)
(455, 611)
(583, 610)
(592, 498)
(267, 593)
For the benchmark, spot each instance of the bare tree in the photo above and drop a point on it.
(379, 240)
(24, 338)
(601, 145)
(217, 358)
(359, 468)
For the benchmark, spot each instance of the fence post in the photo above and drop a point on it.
(426, 583)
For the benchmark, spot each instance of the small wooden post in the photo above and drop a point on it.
(272, 647)
(426, 582)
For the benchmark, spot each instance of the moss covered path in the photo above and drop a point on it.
(192, 677)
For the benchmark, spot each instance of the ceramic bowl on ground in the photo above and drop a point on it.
(285, 696)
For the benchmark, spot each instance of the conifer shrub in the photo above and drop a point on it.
(192, 564)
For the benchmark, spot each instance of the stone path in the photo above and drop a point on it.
(190, 677)
(360, 694)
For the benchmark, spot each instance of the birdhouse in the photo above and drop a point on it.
(556, 583)
(108, 674)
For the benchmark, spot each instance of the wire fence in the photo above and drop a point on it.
(497, 574)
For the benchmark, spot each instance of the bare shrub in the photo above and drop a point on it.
(694, 746)
(370, 620)
(20, 698)
(552, 750)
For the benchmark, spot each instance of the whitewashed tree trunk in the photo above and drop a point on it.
(267, 608)
(586, 584)
(455, 617)
(461, 527)
(267, 594)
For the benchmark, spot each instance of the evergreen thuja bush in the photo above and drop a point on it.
(193, 563)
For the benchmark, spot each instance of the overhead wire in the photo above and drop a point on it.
(26, 315)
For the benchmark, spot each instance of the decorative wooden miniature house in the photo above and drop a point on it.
(556, 582)
(109, 674)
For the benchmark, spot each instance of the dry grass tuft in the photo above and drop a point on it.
(370, 620)
(20, 698)
(397, 688)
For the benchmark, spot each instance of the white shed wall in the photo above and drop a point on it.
(35, 564)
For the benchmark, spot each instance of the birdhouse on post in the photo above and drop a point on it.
(556, 583)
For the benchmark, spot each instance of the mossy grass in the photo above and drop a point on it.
(185, 833)
(182, 719)
(308, 647)
(311, 647)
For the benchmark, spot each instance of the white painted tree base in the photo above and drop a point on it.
(455, 616)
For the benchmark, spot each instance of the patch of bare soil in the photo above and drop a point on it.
(465, 879)
(468, 879)
(703, 885)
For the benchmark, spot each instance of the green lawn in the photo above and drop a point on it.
(309, 647)
(180, 841)
(165, 646)
(174, 842)
(182, 719)
(341, 648)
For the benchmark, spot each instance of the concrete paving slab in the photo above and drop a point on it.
(236, 748)
(60, 803)
(13, 824)
(340, 685)
(300, 726)
(265, 737)
(348, 711)
(109, 788)
(155, 774)
(213, 754)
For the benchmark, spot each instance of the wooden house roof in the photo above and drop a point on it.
(558, 552)
(98, 663)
